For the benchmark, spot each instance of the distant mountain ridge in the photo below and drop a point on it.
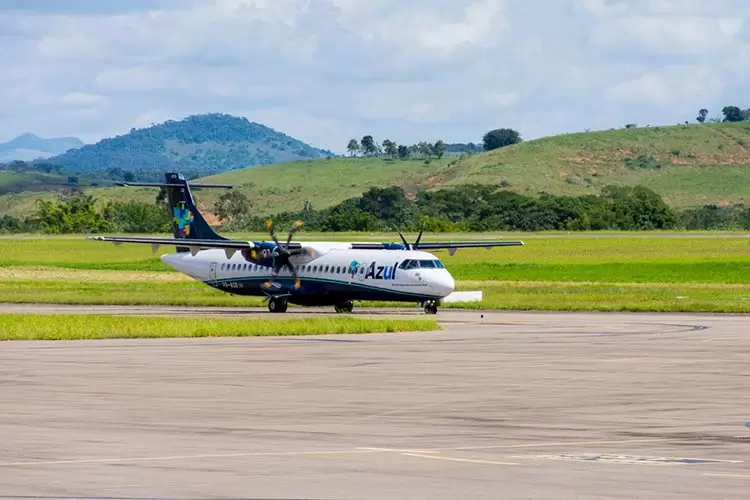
(197, 145)
(28, 146)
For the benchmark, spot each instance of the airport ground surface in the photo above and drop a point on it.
(511, 405)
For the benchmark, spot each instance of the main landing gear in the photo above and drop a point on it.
(346, 307)
(431, 307)
(277, 304)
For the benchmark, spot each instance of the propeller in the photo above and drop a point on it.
(408, 245)
(281, 259)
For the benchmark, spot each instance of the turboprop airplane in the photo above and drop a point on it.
(307, 273)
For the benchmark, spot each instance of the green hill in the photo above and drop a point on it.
(198, 145)
(688, 165)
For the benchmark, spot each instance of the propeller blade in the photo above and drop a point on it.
(269, 226)
(292, 270)
(295, 227)
(419, 238)
(406, 243)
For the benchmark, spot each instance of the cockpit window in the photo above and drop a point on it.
(409, 264)
(439, 264)
(427, 264)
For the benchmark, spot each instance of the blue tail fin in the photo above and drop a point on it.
(187, 221)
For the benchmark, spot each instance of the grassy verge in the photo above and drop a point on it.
(71, 327)
(636, 272)
(516, 295)
(640, 258)
(659, 297)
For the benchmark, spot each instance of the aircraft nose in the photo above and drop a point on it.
(444, 284)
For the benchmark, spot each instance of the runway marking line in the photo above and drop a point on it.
(453, 459)
(425, 453)
(738, 476)
(187, 457)
(396, 450)
(556, 444)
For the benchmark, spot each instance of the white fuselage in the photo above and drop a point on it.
(333, 269)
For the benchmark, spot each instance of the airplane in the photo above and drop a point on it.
(307, 273)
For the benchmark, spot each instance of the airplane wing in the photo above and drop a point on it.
(438, 245)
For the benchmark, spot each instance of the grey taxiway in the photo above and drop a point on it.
(494, 405)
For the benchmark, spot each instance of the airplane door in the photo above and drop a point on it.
(212, 271)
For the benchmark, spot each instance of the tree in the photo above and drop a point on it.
(702, 114)
(499, 138)
(732, 114)
(403, 152)
(390, 148)
(353, 147)
(425, 149)
(232, 205)
(745, 115)
(368, 145)
(438, 149)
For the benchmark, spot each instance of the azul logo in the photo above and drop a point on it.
(376, 272)
(182, 218)
(353, 267)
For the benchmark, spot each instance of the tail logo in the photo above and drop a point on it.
(182, 218)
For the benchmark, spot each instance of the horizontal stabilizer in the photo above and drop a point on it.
(165, 184)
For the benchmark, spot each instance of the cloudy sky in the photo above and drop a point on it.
(328, 70)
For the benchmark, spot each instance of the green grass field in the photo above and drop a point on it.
(699, 164)
(635, 272)
(21, 181)
(72, 327)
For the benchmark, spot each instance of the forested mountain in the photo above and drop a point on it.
(28, 147)
(198, 145)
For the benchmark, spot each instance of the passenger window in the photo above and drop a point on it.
(222, 267)
(326, 269)
(315, 269)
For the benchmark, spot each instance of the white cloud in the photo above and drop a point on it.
(688, 86)
(326, 70)
(423, 34)
(139, 78)
(501, 99)
(666, 35)
(83, 99)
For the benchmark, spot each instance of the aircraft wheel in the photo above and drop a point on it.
(430, 309)
(277, 305)
(346, 307)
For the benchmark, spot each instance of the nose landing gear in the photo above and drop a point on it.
(346, 307)
(431, 307)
